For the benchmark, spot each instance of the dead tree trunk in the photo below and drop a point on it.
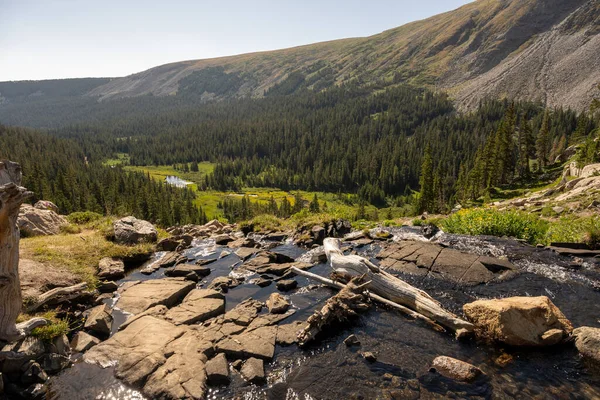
(388, 286)
(12, 196)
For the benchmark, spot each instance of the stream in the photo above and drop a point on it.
(328, 369)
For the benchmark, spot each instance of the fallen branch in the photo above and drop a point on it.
(344, 305)
(61, 293)
(28, 326)
(373, 296)
(392, 288)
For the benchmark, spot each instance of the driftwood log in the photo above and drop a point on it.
(12, 196)
(392, 288)
(58, 295)
(346, 304)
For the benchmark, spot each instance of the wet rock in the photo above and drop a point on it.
(247, 243)
(111, 268)
(170, 259)
(429, 231)
(457, 370)
(175, 243)
(54, 363)
(32, 372)
(182, 376)
(253, 371)
(35, 391)
(223, 239)
(107, 287)
(101, 298)
(318, 234)
(369, 356)
(223, 283)
(130, 230)
(82, 342)
(277, 304)
(519, 321)
(143, 295)
(286, 285)
(262, 282)
(237, 364)
(217, 370)
(246, 252)
(182, 270)
(199, 305)
(287, 334)
(37, 222)
(99, 320)
(587, 341)
(352, 340)
(59, 345)
(276, 236)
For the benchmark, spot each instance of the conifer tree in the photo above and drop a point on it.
(426, 198)
(542, 142)
(314, 205)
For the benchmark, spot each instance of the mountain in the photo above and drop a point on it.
(540, 50)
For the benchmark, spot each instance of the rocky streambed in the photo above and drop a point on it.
(220, 320)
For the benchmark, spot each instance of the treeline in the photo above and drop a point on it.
(58, 170)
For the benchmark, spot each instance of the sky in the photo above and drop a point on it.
(50, 39)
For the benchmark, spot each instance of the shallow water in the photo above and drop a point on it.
(405, 348)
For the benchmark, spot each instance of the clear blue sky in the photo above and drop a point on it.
(43, 39)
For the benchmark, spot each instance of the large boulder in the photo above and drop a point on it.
(38, 222)
(130, 230)
(99, 320)
(587, 341)
(46, 205)
(111, 268)
(519, 321)
(140, 296)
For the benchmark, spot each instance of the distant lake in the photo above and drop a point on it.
(177, 181)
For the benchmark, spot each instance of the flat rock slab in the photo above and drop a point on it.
(143, 295)
(259, 343)
(182, 270)
(287, 334)
(421, 258)
(199, 305)
(217, 370)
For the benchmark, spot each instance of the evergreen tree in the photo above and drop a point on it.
(314, 205)
(543, 141)
(426, 198)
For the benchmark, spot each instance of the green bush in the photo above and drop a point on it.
(83, 217)
(70, 229)
(482, 221)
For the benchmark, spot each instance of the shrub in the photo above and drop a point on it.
(70, 229)
(480, 221)
(83, 217)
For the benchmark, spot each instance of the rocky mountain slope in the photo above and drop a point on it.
(546, 50)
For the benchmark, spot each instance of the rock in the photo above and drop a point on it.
(587, 341)
(54, 363)
(276, 236)
(243, 243)
(277, 304)
(22, 351)
(369, 356)
(175, 243)
(223, 239)
(32, 372)
(258, 343)
(99, 320)
(59, 345)
(286, 285)
(82, 342)
(130, 230)
(217, 370)
(107, 287)
(558, 209)
(199, 305)
(246, 252)
(1, 384)
(141, 296)
(244, 313)
(37, 222)
(111, 268)
(287, 334)
(46, 205)
(181, 270)
(519, 321)
(457, 370)
(253, 371)
(36, 278)
(352, 340)
(35, 391)
(318, 234)
(237, 364)
(262, 282)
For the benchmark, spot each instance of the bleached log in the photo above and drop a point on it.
(28, 326)
(60, 293)
(373, 296)
(12, 195)
(392, 288)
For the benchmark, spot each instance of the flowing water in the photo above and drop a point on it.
(328, 369)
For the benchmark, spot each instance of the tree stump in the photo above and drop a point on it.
(12, 196)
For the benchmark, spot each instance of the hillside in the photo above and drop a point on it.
(539, 50)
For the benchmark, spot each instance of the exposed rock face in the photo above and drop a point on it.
(130, 230)
(199, 305)
(421, 258)
(253, 371)
(82, 342)
(37, 222)
(519, 321)
(217, 370)
(99, 320)
(455, 369)
(140, 296)
(46, 205)
(157, 356)
(111, 268)
(587, 341)
(277, 304)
